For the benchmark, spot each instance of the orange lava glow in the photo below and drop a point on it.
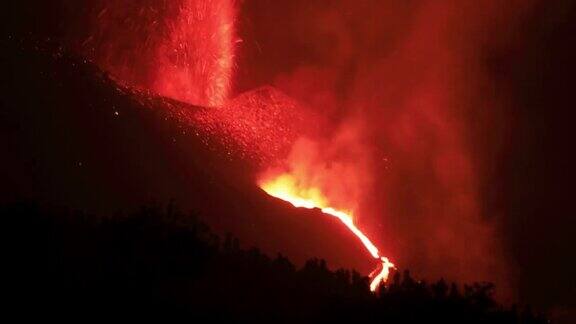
(286, 187)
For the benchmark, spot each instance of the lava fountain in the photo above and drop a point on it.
(286, 186)
(181, 49)
(196, 59)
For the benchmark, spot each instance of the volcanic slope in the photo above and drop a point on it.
(74, 137)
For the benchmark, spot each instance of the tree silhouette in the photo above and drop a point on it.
(159, 262)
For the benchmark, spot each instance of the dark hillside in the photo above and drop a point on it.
(73, 137)
(159, 263)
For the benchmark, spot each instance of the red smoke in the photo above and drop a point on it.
(410, 80)
(404, 86)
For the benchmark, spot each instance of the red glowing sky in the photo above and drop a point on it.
(397, 83)
(401, 110)
(405, 86)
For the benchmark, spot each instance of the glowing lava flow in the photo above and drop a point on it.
(286, 187)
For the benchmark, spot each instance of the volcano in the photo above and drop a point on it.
(77, 138)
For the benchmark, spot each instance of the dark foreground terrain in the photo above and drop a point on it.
(160, 263)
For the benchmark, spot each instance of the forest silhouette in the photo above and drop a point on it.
(158, 262)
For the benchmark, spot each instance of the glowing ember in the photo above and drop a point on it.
(195, 61)
(286, 187)
(181, 49)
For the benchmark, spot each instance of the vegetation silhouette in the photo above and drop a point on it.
(158, 262)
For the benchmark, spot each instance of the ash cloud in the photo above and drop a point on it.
(410, 80)
(413, 74)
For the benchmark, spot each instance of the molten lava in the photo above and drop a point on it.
(286, 187)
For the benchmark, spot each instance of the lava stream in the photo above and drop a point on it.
(285, 187)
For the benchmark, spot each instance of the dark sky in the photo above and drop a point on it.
(536, 168)
(481, 94)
